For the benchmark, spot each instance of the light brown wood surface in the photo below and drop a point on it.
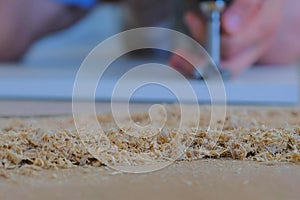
(208, 179)
(204, 179)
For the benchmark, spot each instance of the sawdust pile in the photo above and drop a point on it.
(264, 135)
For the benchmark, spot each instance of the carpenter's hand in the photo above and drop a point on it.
(250, 29)
(23, 22)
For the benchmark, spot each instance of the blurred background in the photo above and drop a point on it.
(48, 69)
(106, 19)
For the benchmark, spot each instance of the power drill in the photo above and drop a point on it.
(212, 11)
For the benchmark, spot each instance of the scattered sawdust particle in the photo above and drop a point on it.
(54, 175)
(267, 136)
(4, 175)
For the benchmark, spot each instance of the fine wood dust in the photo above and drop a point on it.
(254, 134)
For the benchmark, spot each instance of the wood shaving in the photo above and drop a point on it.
(263, 135)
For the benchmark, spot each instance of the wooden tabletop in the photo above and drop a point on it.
(204, 179)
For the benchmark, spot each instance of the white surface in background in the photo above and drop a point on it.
(260, 85)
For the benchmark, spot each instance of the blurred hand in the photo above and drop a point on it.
(23, 22)
(253, 31)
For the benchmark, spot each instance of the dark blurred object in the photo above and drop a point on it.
(179, 8)
(141, 13)
(158, 13)
(148, 13)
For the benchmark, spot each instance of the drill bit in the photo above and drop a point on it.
(212, 10)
